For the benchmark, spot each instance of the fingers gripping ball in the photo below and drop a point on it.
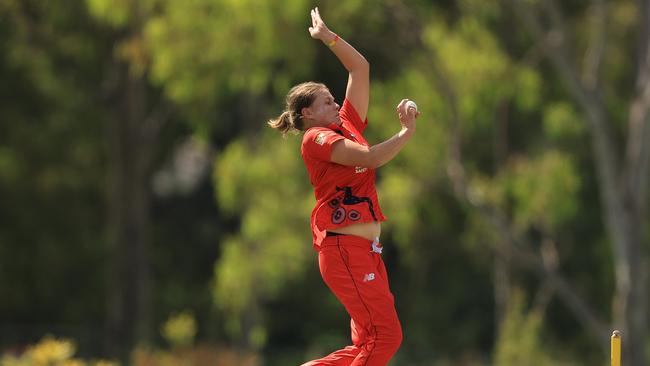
(411, 104)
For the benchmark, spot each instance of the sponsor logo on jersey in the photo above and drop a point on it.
(368, 277)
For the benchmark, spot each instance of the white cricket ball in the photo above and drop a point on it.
(411, 104)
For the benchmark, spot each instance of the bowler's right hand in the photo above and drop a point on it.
(407, 116)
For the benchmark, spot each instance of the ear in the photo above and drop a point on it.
(306, 112)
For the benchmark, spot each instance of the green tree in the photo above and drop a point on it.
(622, 163)
(51, 177)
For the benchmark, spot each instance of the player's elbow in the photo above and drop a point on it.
(353, 154)
(375, 163)
(373, 159)
(366, 158)
(361, 66)
(365, 64)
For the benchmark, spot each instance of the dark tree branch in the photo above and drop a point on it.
(156, 119)
(643, 7)
(591, 75)
(638, 152)
(526, 259)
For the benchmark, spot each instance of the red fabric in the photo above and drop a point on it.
(357, 276)
(345, 195)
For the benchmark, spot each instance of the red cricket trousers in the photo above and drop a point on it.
(357, 276)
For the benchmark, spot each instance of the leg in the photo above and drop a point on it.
(358, 279)
(380, 332)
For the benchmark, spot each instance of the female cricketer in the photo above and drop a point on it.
(346, 219)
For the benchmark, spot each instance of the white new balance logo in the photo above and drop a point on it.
(368, 277)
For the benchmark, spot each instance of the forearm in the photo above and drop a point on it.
(384, 152)
(349, 153)
(352, 60)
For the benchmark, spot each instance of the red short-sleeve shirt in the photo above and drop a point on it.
(345, 195)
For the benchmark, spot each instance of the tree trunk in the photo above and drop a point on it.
(128, 300)
(502, 283)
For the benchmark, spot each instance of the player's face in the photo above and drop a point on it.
(324, 110)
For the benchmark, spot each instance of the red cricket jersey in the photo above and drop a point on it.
(345, 195)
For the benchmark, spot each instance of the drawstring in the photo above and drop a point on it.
(376, 246)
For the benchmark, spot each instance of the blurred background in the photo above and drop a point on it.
(149, 217)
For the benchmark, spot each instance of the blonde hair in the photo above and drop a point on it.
(299, 97)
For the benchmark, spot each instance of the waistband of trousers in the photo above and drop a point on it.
(346, 240)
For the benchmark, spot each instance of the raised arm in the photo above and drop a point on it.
(358, 88)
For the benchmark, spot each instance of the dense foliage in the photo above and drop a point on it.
(138, 179)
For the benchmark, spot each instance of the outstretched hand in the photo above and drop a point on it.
(318, 29)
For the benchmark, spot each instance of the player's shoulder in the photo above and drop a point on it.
(313, 133)
(316, 130)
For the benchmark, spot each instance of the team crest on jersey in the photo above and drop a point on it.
(320, 138)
